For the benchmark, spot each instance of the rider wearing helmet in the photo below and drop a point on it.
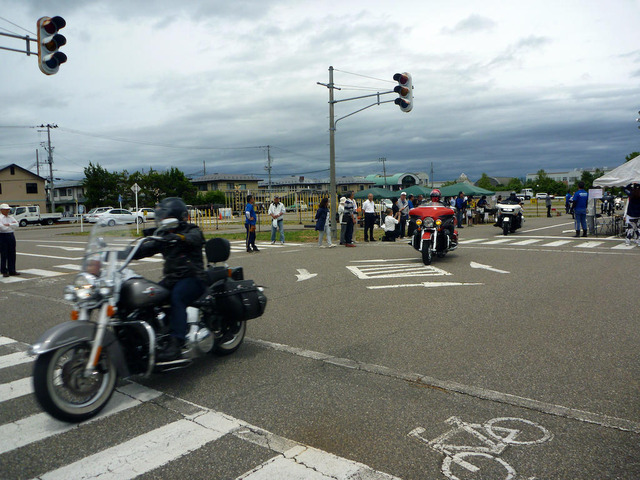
(435, 198)
(184, 272)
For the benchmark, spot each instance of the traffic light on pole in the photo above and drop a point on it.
(405, 90)
(49, 41)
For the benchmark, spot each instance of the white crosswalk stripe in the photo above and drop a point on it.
(177, 438)
(613, 244)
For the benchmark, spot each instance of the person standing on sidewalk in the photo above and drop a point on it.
(632, 213)
(8, 225)
(250, 224)
(369, 209)
(350, 218)
(547, 203)
(277, 211)
(323, 222)
(580, 201)
(461, 206)
(403, 206)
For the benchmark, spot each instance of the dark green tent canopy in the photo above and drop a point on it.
(464, 187)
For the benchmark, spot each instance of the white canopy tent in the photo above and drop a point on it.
(622, 176)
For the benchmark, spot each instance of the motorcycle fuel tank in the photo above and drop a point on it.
(139, 292)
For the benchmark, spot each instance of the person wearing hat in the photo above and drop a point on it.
(277, 211)
(403, 206)
(7, 241)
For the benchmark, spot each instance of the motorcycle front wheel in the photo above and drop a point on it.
(62, 388)
(230, 340)
(427, 254)
(505, 228)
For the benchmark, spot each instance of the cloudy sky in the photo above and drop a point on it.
(500, 87)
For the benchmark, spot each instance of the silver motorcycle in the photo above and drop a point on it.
(121, 320)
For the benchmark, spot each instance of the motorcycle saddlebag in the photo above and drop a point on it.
(239, 300)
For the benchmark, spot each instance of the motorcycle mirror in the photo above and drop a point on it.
(169, 223)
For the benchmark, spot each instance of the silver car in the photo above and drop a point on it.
(118, 216)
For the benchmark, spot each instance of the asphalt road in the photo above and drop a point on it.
(511, 356)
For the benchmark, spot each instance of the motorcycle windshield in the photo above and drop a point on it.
(103, 240)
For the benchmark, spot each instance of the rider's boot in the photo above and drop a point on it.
(172, 351)
(577, 233)
(584, 233)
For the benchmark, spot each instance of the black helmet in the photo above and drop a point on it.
(172, 207)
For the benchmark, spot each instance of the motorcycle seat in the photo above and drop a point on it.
(216, 273)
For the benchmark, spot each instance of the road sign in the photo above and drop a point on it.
(135, 188)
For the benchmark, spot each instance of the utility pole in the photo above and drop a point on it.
(384, 170)
(37, 164)
(431, 175)
(268, 167)
(50, 160)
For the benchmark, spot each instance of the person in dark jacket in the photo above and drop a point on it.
(183, 274)
(323, 222)
(632, 213)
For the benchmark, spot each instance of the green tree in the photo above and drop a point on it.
(588, 178)
(210, 197)
(100, 186)
(485, 182)
(631, 156)
(514, 185)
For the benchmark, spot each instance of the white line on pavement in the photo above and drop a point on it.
(14, 359)
(15, 389)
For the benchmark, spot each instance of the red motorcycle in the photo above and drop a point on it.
(432, 231)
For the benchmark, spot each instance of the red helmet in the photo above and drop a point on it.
(435, 193)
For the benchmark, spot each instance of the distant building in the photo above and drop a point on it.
(19, 186)
(69, 195)
(399, 181)
(226, 182)
(495, 181)
(569, 177)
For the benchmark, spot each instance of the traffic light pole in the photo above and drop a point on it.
(26, 38)
(332, 142)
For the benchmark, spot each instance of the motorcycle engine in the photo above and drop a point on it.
(200, 339)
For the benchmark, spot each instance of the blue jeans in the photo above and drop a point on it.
(183, 294)
(281, 228)
(581, 219)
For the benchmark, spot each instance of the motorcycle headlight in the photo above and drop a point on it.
(83, 287)
(428, 222)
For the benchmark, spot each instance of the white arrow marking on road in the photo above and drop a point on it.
(304, 274)
(68, 249)
(487, 267)
(426, 285)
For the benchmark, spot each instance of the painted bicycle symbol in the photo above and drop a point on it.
(489, 440)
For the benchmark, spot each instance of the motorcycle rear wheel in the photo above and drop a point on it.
(427, 254)
(230, 341)
(64, 392)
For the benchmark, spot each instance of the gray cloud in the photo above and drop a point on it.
(472, 24)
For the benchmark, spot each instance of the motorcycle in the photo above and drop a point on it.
(509, 217)
(121, 320)
(433, 231)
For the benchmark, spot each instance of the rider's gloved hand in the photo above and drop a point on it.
(173, 238)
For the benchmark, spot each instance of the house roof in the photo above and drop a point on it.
(4, 167)
(221, 177)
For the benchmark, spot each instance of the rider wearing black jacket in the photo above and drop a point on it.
(183, 271)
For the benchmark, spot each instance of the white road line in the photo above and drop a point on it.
(14, 359)
(588, 245)
(40, 426)
(407, 271)
(48, 256)
(476, 392)
(425, 284)
(140, 454)
(6, 340)
(16, 389)
(557, 243)
(495, 242)
(69, 266)
(472, 240)
(622, 246)
(151, 259)
(12, 279)
(41, 273)
(527, 242)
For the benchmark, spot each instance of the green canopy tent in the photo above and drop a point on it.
(378, 193)
(417, 190)
(464, 187)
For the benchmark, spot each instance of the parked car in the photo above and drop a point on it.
(543, 196)
(295, 207)
(118, 216)
(147, 213)
(93, 214)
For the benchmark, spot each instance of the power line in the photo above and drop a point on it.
(365, 76)
(16, 25)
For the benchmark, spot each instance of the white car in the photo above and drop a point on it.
(93, 214)
(118, 216)
(147, 213)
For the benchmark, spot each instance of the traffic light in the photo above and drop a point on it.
(405, 90)
(49, 41)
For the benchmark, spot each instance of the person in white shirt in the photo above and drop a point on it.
(369, 209)
(277, 211)
(389, 227)
(7, 241)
